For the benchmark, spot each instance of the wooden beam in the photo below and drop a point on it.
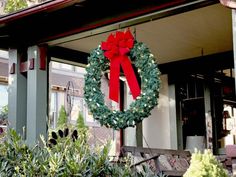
(68, 55)
(204, 64)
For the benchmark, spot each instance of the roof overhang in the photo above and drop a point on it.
(61, 18)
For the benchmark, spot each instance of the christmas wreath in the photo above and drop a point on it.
(122, 50)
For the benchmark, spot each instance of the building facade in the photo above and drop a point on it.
(60, 76)
(193, 42)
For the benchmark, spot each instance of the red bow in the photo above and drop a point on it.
(116, 49)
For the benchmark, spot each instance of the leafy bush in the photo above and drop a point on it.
(66, 153)
(14, 5)
(205, 165)
(68, 157)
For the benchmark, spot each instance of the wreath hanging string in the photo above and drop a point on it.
(121, 50)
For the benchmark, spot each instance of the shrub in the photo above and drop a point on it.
(69, 156)
(81, 127)
(62, 119)
(205, 165)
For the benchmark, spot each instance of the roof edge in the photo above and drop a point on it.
(44, 7)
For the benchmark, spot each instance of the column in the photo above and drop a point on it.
(234, 39)
(208, 117)
(37, 87)
(17, 90)
(173, 118)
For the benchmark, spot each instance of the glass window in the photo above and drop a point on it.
(3, 96)
(53, 109)
(77, 108)
(229, 72)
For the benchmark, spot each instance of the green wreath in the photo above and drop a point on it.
(139, 109)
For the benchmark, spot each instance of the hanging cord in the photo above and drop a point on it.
(145, 140)
(133, 156)
(147, 144)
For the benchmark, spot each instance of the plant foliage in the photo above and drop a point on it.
(4, 112)
(65, 158)
(205, 165)
(14, 5)
(62, 119)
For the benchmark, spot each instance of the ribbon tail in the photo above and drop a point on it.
(130, 76)
(114, 89)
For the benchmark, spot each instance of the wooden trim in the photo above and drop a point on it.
(201, 65)
(68, 54)
(153, 155)
(154, 151)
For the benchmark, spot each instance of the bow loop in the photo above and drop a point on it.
(116, 50)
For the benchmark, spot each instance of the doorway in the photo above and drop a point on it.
(207, 109)
(190, 91)
(193, 120)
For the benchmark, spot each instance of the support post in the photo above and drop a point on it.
(17, 91)
(173, 118)
(139, 134)
(234, 41)
(37, 95)
(208, 118)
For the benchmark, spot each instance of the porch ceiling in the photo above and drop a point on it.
(203, 31)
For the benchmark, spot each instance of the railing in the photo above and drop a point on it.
(166, 161)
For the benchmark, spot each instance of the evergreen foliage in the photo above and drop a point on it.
(62, 119)
(80, 121)
(81, 127)
(138, 110)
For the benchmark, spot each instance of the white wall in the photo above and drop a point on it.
(159, 129)
(130, 133)
(156, 128)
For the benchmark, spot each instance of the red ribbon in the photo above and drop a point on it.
(116, 50)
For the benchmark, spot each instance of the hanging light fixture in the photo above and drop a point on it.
(229, 3)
